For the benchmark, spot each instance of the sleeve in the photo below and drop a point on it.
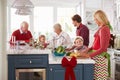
(68, 41)
(13, 34)
(30, 35)
(104, 42)
(51, 40)
(90, 48)
(85, 35)
(85, 50)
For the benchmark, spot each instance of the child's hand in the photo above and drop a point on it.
(67, 49)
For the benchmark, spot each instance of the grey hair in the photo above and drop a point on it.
(24, 22)
(57, 25)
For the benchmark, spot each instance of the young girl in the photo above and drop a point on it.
(42, 40)
(78, 46)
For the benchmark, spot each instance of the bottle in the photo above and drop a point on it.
(17, 45)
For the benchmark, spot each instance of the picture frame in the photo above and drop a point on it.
(89, 20)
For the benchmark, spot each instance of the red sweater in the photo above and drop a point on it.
(101, 41)
(21, 36)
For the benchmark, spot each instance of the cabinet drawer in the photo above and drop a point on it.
(31, 61)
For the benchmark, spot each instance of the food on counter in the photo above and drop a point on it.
(74, 54)
(59, 51)
(36, 44)
(68, 54)
(71, 54)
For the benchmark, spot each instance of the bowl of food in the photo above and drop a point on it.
(59, 51)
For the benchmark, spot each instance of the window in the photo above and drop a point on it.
(43, 21)
(14, 21)
(64, 16)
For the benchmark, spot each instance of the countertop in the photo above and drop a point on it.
(52, 59)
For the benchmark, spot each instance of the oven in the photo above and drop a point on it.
(117, 69)
(30, 74)
(117, 65)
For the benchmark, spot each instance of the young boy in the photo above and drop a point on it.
(78, 46)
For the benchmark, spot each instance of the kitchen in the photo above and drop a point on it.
(37, 19)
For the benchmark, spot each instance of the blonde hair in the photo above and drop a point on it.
(102, 18)
(42, 36)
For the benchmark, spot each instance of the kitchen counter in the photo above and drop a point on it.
(84, 70)
(79, 61)
(52, 59)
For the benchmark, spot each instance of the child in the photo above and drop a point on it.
(78, 46)
(42, 40)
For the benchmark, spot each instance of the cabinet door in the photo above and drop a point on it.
(57, 72)
(88, 71)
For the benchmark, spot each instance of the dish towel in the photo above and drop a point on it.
(69, 68)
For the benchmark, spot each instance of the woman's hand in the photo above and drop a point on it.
(84, 55)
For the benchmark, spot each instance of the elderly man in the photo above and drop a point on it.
(60, 38)
(22, 34)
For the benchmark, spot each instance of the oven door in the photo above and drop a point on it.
(30, 74)
(117, 69)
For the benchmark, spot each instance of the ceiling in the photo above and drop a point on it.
(50, 2)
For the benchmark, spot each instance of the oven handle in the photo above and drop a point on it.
(116, 59)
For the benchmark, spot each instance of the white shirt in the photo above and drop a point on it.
(21, 32)
(63, 39)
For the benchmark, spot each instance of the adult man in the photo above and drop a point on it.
(81, 30)
(22, 34)
(60, 38)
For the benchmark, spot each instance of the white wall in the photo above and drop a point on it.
(0, 43)
(3, 59)
(108, 7)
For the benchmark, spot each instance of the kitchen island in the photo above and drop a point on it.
(48, 65)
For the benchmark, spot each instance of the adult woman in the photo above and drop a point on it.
(98, 51)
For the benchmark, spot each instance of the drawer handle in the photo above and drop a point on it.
(30, 61)
(51, 69)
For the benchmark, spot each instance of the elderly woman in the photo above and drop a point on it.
(98, 51)
(60, 38)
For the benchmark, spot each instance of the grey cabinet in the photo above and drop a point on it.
(82, 72)
(56, 72)
(40, 61)
(26, 61)
(88, 71)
